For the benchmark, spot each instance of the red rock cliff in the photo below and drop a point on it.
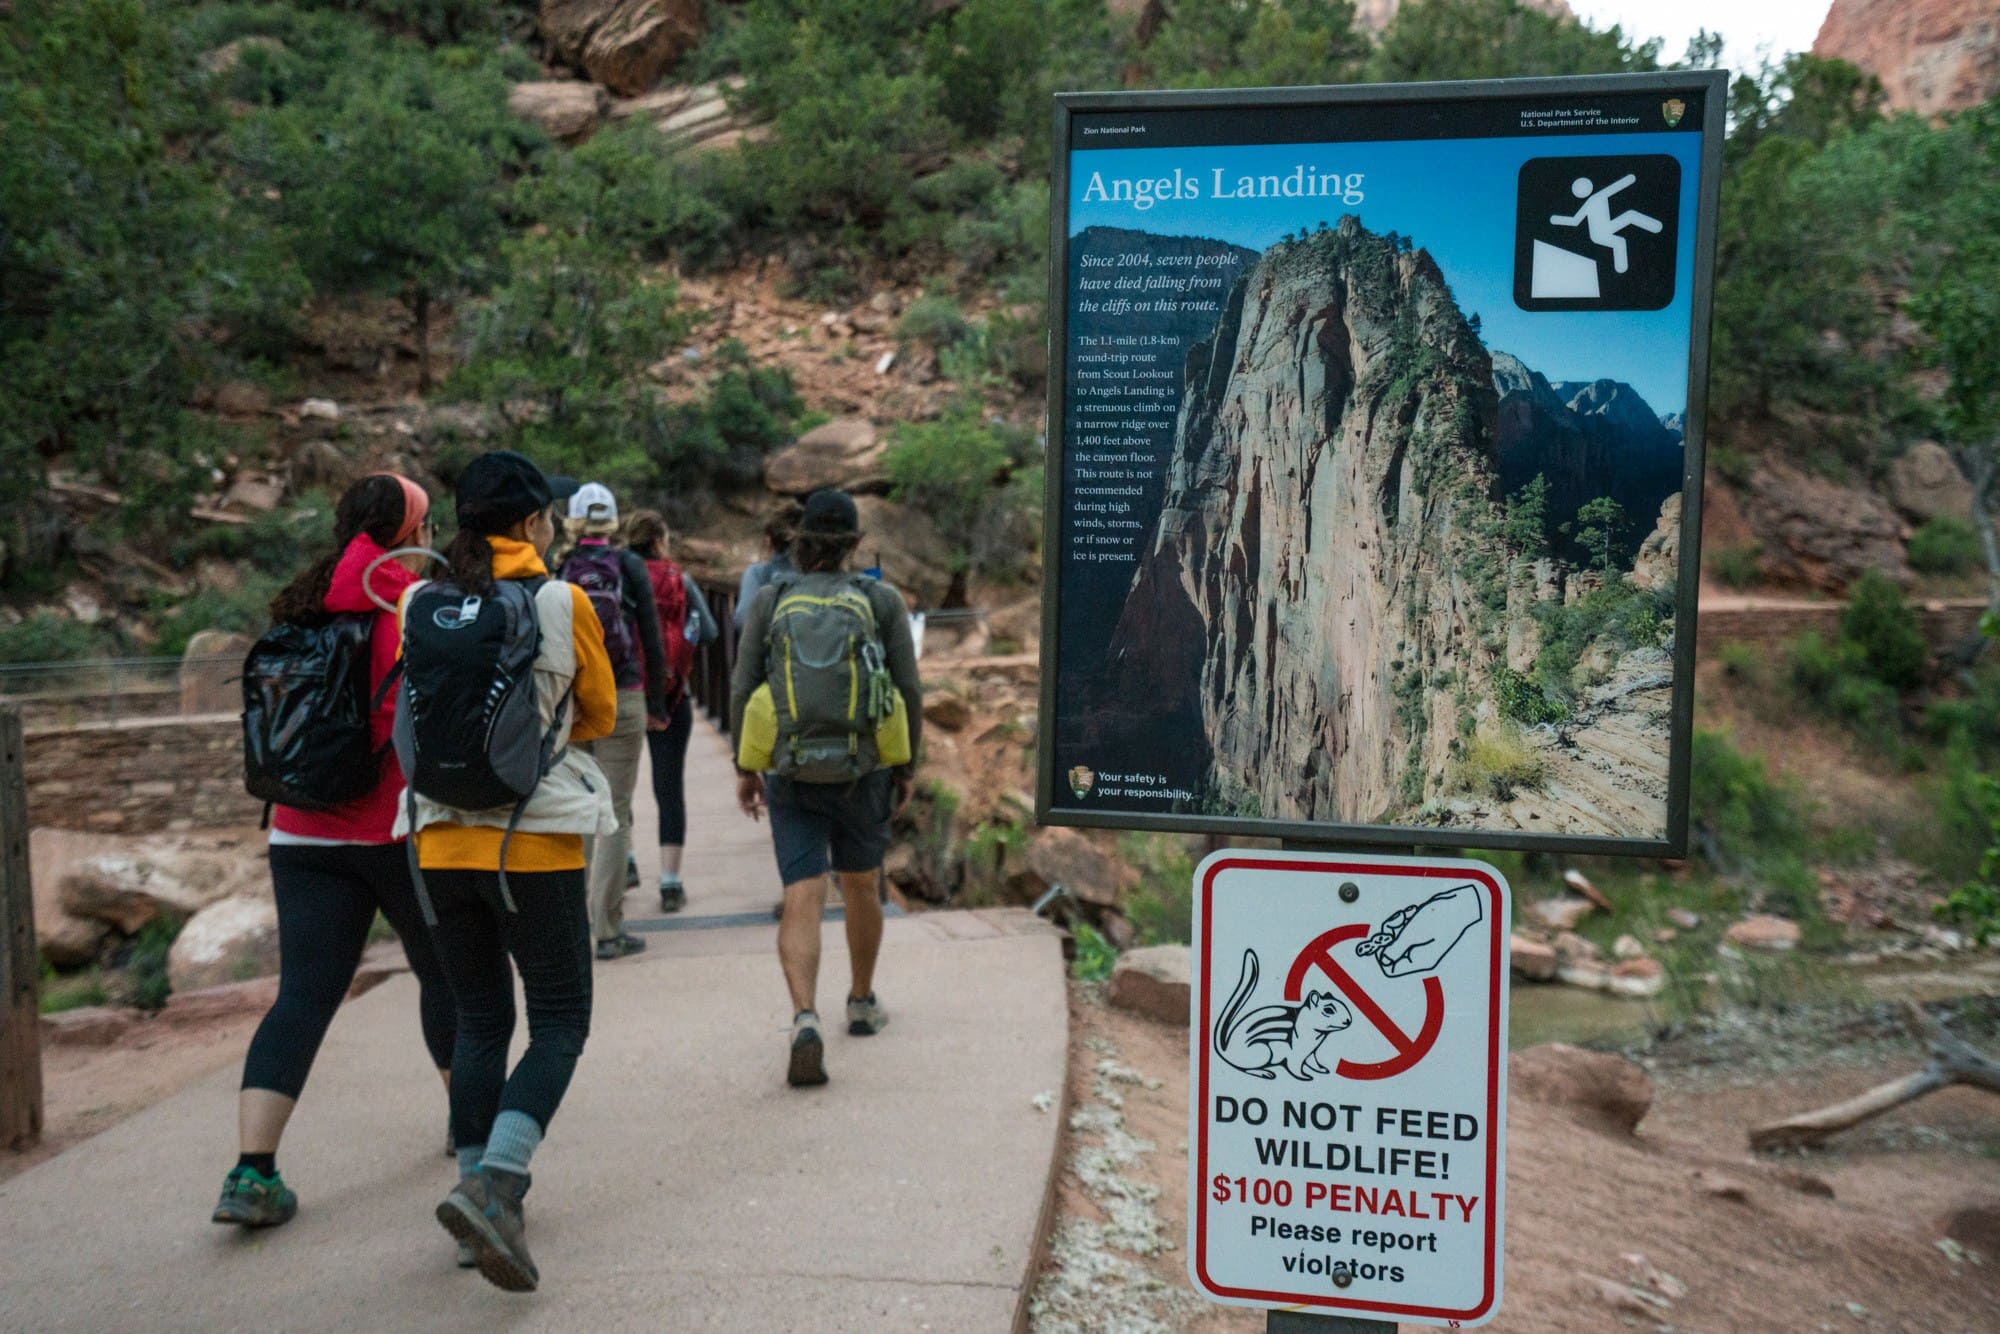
(1931, 55)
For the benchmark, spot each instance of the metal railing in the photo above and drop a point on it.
(714, 663)
(110, 690)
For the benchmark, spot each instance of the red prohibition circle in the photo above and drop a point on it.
(1409, 1050)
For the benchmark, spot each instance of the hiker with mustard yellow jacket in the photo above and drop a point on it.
(505, 670)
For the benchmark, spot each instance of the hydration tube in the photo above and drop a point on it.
(368, 575)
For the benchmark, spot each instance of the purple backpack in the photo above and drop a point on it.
(599, 571)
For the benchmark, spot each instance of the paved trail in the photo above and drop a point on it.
(683, 1186)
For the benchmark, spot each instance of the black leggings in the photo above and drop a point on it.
(669, 750)
(327, 898)
(548, 939)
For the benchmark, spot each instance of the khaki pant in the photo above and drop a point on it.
(618, 756)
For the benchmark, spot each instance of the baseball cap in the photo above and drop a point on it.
(562, 488)
(499, 489)
(831, 512)
(593, 500)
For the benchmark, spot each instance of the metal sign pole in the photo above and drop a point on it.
(1311, 1322)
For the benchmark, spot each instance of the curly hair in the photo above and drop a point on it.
(373, 505)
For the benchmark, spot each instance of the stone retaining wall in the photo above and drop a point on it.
(1944, 623)
(140, 777)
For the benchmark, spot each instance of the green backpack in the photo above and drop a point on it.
(829, 679)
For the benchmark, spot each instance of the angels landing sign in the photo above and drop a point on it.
(1374, 504)
(1347, 1136)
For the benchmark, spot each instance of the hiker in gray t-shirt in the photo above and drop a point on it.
(830, 798)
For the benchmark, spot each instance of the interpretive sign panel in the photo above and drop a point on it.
(1374, 490)
(1348, 1100)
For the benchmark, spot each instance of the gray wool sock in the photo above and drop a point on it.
(512, 1142)
(468, 1158)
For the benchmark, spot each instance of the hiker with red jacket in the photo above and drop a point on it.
(332, 869)
(620, 591)
(685, 623)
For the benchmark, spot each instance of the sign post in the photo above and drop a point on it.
(1347, 1114)
(20, 964)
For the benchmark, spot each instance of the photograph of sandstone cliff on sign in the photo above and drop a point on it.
(1373, 459)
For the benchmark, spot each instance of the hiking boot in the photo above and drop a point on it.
(808, 1063)
(673, 898)
(468, 1255)
(619, 946)
(631, 871)
(484, 1212)
(251, 1199)
(865, 1016)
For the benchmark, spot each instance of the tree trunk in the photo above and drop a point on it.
(422, 303)
(1982, 467)
(1953, 1061)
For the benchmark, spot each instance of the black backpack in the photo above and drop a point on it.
(468, 729)
(306, 707)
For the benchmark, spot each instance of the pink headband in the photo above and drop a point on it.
(416, 507)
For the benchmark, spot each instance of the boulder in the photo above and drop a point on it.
(319, 409)
(1819, 534)
(259, 491)
(569, 109)
(947, 710)
(231, 940)
(65, 940)
(907, 546)
(1561, 913)
(210, 667)
(1627, 946)
(229, 1001)
(623, 44)
(126, 890)
(87, 1026)
(1153, 982)
(1596, 1089)
(1659, 561)
(240, 398)
(1067, 857)
(1926, 483)
(845, 453)
(1572, 948)
(1534, 960)
(1638, 979)
(1761, 931)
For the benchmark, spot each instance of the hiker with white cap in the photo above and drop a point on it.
(621, 593)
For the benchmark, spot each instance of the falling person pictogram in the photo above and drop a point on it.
(1606, 230)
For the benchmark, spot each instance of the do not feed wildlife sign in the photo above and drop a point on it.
(1347, 1138)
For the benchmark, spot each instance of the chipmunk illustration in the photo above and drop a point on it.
(1277, 1036)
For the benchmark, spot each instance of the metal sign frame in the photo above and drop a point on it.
(1712, 87)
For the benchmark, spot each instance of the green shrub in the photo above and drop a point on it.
(628, 187)
(934, 321)
(1884, 630)
(956, 470)
(48, 636)
(146, 963)
(1946, 546)
(1523, 701)
(72, 992)
(1094, 954)
(1742, 817)
(1628, 616)
(1498, 763)
(1161, 907)
(1736, 567)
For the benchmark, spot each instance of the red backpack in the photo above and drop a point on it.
(671, 600)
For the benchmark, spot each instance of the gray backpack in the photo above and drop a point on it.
(829, 679)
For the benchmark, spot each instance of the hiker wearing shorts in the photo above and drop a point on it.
(621, 591)
(685, 624)
(333, 867)
(505, 881)
(827, 656)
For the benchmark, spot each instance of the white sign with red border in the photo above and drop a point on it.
(1348, 1105)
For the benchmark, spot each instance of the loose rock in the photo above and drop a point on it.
(1153, 982)
(1562, 913)
(569, 109)
(1764, 932)
(228, 941)
(1532, 959)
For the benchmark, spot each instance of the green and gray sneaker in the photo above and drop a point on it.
(808, 1058)
(251, 1199)
(865, 1016)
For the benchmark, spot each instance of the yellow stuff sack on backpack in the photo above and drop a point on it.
(760, 732)
(892, 734)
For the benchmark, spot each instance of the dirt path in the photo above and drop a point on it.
(1839, 1240)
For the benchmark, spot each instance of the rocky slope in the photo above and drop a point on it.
(1326, 551)
(1931, 55)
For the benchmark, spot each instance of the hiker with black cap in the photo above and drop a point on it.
(504, 671)
(827, 709)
